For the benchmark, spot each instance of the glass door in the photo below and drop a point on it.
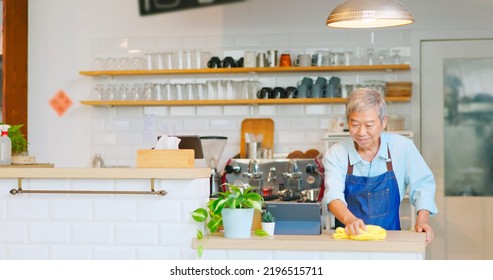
(457, 142)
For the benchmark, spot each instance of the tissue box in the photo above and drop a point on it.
(166, 158)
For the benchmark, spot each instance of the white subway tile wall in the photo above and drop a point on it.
(79, 227)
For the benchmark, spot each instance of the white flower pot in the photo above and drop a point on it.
(237, 222)
(269, 228)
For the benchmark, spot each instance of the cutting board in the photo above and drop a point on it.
(263, 126)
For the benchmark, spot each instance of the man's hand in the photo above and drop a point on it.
(422, 225)
(354, 225)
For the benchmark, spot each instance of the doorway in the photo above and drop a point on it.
(457, 135)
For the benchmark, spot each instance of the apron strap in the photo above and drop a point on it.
(349, 166)
(389, 163)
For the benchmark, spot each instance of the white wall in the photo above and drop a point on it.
(62, 36)
(62, 33)
(65, 34)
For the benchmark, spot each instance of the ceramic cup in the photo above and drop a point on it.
(306, 81)
(321, 81)
(316, 91)
(214, 62)
(285, 60)
(302, 91)
(277, 92)
(262, 60)
(264, 92)
(290, 91)
(303, 60)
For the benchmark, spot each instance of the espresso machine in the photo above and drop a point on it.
(213, 147)
(278, 179)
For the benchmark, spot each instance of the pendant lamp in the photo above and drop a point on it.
(369, 14)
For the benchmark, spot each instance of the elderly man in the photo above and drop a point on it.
(367, 175)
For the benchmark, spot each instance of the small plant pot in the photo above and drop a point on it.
(237, 222)
(269, 228)
(21, 159)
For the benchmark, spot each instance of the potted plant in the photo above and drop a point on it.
(20, 154)
(268, 223)
(233, 209)
(19, 142)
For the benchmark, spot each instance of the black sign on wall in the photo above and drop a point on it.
(148, 7)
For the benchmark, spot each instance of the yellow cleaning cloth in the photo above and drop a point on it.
(372, 233)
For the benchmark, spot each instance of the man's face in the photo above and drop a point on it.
(365, 128)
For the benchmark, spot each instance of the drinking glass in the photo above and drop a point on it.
(167, 89)
(177, 92)
(135, 93)
(396, 57)
(179, 59)
(136, 63)
(157, 91)
(370, 57)
(168, 60)
(123, 92)
(189, 90)
(200, 91)
(98, 63)
(148, 58)
(97, 92)
(159, 61)
(147, 91)
(383, 57)
(109, 93)
(123, 63)
(348, 57)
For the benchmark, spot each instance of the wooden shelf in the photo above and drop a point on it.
(352, 68)
(288, 101)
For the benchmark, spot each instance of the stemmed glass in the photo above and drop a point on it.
(396, 57)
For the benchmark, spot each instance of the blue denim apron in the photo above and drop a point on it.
(376, 199)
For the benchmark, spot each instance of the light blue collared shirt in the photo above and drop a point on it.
(410, 169)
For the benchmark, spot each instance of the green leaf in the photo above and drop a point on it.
(199, 215)
(235, 190)
(218, 205)
(200, 234)
(214, 223)
(261, 232)
(200, 250)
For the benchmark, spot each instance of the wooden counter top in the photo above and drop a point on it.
(106, 173)
(396, 241)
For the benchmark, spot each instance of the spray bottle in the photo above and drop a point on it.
(5, 146)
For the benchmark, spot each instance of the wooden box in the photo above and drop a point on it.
(183, 158)
(398, 89)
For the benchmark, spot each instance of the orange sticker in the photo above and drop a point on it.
(60, 102)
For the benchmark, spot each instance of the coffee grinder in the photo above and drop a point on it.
(213, 147)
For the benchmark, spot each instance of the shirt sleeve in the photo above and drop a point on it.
(420, 181)
(335, 166)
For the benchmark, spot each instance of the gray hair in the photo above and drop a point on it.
(364, 99)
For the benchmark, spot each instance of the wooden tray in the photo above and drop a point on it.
(257, 126)
(183, 158)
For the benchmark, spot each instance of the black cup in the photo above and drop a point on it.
(277, 91)
(228, 62)
(214, 62)
(240, 62)
(265, 91)
(290, 91)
